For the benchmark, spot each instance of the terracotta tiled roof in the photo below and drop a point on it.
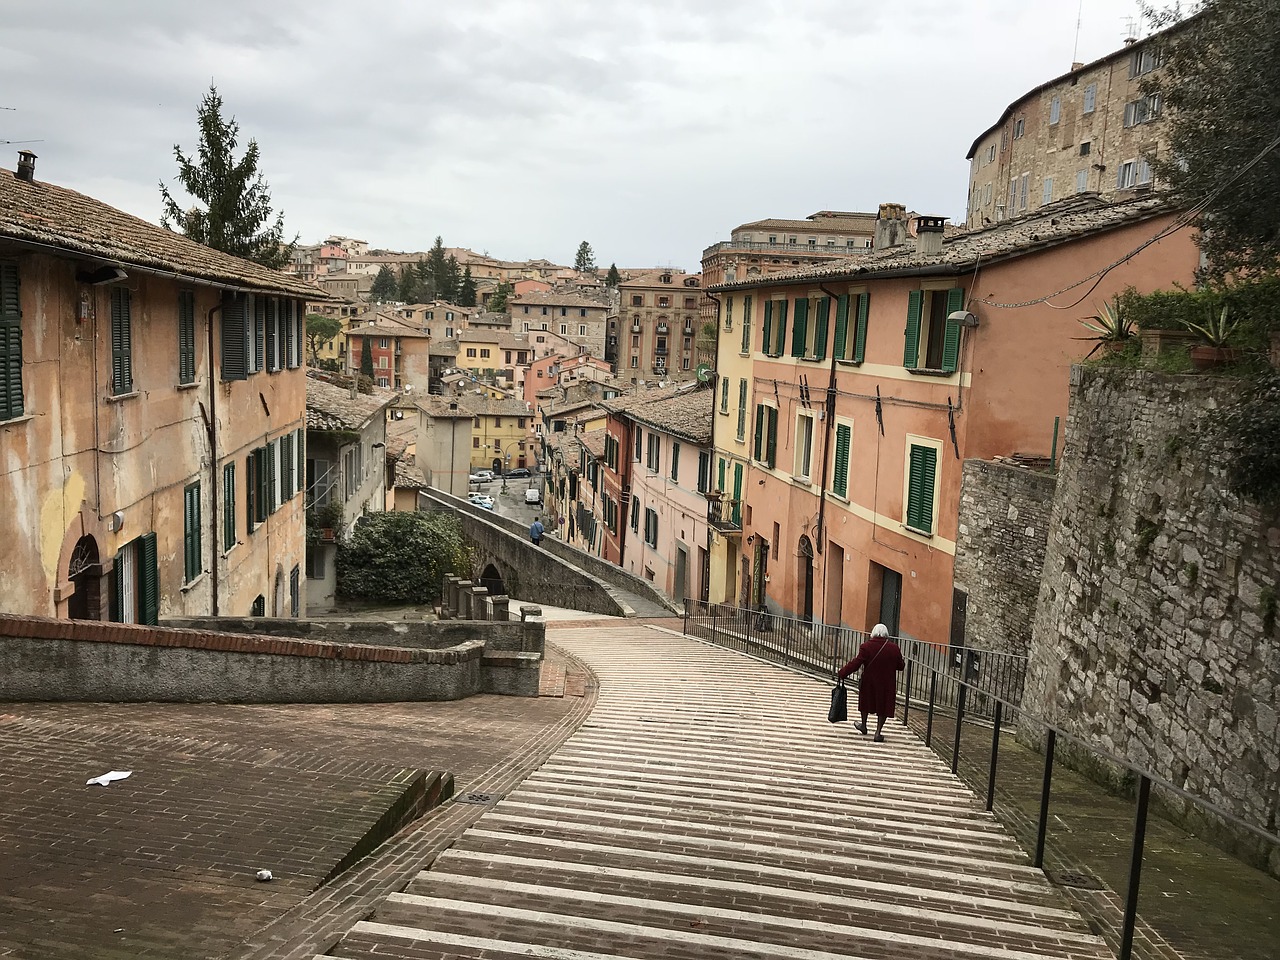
(631, 401)
(408, 475)
(686, 415)
(42, 213)
(386, 327)
(476, 405)
(593, 441)
(1050, 225)
(841, 223)
(331, 407)
(653, 278)
(554, 298)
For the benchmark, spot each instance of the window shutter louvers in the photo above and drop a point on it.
(186, 336)
(742, 409)
(273, 477)
(11, 398)
(766, 328)
(737, 492)
(262, 477)
(800, 328)
(773, 436)
(746, 324)
(780, 330)
(270, 306)
(228, 506)
(842, 325)
(951, 339)
(259, 332)
(121, 342)
(860, 328)
(820, 328)
(720, 484)
(234, 337)
(911, 348)
(150, 612)
(759, 445)
(923, 466)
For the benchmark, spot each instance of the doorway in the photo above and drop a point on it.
(758, 573)
(681, 587)
(890, 599)
(833, 609)
(805, 556)
(84, 571)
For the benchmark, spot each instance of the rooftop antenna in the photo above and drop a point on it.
(1075, 50)
(1130, 29)
(5, 142)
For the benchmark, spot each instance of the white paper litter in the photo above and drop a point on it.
(264, 875)
(106, 778)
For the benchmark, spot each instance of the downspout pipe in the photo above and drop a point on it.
(830, 406)
(213, 454)
(712, 461)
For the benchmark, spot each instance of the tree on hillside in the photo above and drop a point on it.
(236, 216)
(409, 285)
(585, 261)
(498, 299)
(452, 285)
(320, 330)
(1220, 75)
(385, 285)
(613, 278)
(366, 356)
(435, 269)
(467, 291)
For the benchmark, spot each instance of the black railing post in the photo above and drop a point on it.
(686, 616)
(715, 634)
(1135, 869)
(995, 755)
(906, 700)
(955, 747)
(1050, 741)
(933, 696)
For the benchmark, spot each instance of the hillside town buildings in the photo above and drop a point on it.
(656, 325)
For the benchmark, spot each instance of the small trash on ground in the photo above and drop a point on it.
(106, 778)
(263, 875)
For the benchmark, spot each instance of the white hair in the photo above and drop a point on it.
(879, 630)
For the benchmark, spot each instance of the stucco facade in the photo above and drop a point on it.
(658, 326)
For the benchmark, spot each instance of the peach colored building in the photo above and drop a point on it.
(871, 380)
(152, 398)
(401, 354)
(657, 325)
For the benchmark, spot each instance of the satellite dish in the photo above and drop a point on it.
(704, 372)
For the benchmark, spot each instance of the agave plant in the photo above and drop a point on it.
(1112, 325)
(1216, 330)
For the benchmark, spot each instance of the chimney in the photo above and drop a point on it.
(929, 235)
(891, 226)
(26, 166)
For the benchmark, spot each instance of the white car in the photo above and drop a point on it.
(481, 500)
(482, 476)
(533, 495)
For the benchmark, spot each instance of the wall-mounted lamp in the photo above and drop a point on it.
(115, 522)
(964, 318)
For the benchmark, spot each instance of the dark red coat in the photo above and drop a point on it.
(880, 660)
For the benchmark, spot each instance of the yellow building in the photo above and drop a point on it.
(499, 430)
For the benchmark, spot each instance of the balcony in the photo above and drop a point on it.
(840, 249)
(660, 351)
(662, 328)
(724, 515)
(635, 328)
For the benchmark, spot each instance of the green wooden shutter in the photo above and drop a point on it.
(250, 493)
(840, 479)
(759, 445)
(121, 342)
(11, 400)
(780, 330)
(800, 328)
(194, 561)
(742, 409)
(228, 506)
(273, 483)
(149, 574)
(675, 461)
(737, 493)
(860, 328)
(920, 482)
(290, 344)
(911, 348)
(724, 396)
(773, 435)
(842, 326)
(114, 601)
(270, 307)
(186, 336)
(766, 329)
(820, 328)
(746, 324)
(720, 485)
(262, 477)
(259, 332)
(951, 340)
(234, 337)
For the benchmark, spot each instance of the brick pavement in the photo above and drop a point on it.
(161, 864)
(706, 810)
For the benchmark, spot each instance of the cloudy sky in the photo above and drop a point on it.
(648, 127)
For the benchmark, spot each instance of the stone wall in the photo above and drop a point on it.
(1155, 633)
(1004, 526)
(43, 659)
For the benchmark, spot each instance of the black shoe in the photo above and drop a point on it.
(878, 738)
(862, 729)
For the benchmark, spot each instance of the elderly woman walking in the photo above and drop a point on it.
(880, 660)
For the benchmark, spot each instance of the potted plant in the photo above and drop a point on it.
(1113, 328)
(323, 522)
(1214, 333)
(1161, 318)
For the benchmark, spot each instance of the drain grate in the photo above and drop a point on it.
(1081, 881)
(480, 798)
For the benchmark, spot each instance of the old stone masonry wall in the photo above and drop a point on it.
(1004, 524)
(1155, 632)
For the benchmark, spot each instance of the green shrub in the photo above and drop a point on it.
(1250, 433)
(401, 557)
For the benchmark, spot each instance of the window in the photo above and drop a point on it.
(851, 345)
(928, 323)
(497, 423)
(766, 445)
(471, 352)
(564, 329)
(1046, 195)
(135, 582)
(803, 446)
(11, 395)
(484, 353)
(1022, 191)
(191, 532)
(582, 329)
(746, 324)
(639, 445)
(1082, 181)
(704, 471)
(186, 336)
(637, 301)
(724, 395)
(1086, 148)
(1143, 61)
(259, 608)
(475, 442)
(840, 463)
(653, 452)
(526, 310)
(384, 343)
(650, 526)
(228, 506)
(635, 514)
(295, 593)
(675, 461)
(742, 410)
(582, 311)
(1055, 110)
(690, 303)
(1133, 173)
(1142, 110)
(664, 301)
(773, 332)
(728, 313)
(991, 153)
(259, 334)
(635, 362)
(121, 341)
(544, 311)
(1090, 98)
(922, 467)
(1019, 127)
(986, 195)
(520, 422)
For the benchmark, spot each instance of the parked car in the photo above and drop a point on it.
(482, 476)
(481, 500)
(533, 495)
(519, 473)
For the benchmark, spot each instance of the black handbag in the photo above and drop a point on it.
(839, 711)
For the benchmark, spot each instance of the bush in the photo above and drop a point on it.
(401, 557)
(1253, 305)
(1250, 432)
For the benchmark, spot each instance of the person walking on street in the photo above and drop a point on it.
(535, 531)
(880, 660)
